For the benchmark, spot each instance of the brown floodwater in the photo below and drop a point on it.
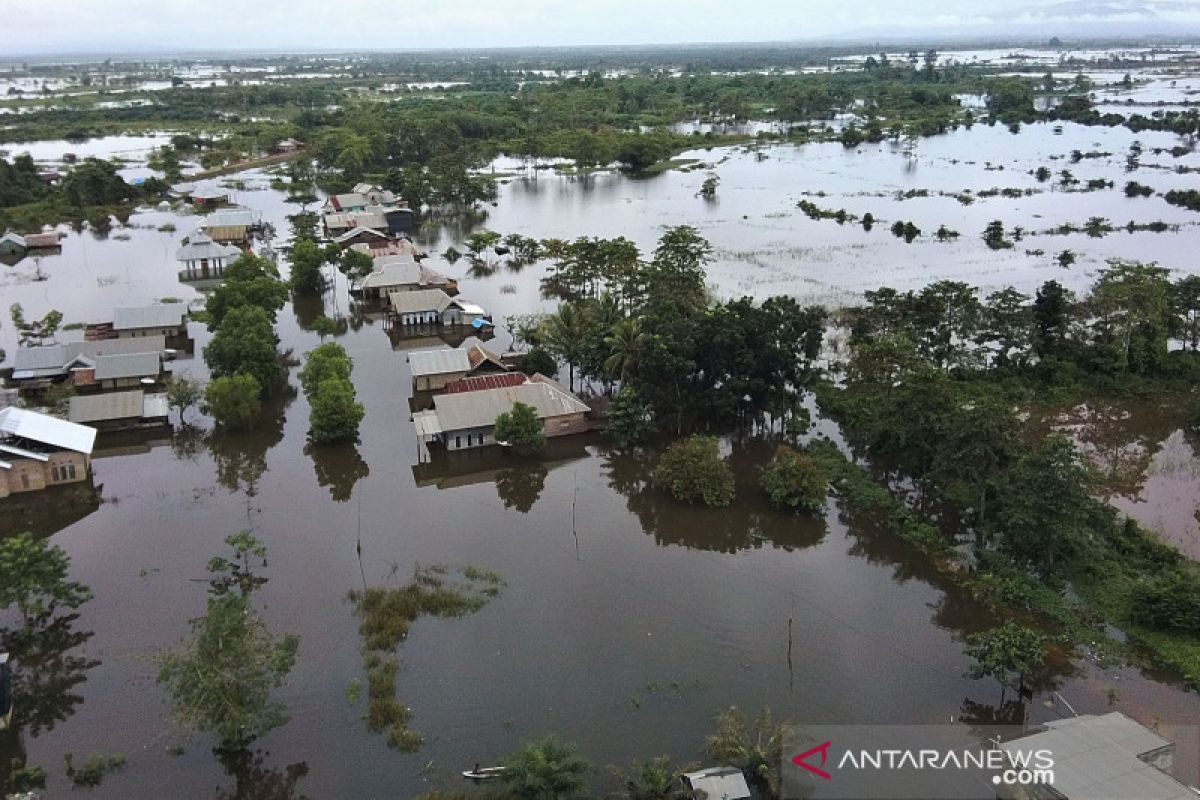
(627, 619)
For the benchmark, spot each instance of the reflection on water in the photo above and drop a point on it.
(749, 523)
(44, 512)
(253, 779)
(338, 468)
(241, 456)
(46, 680)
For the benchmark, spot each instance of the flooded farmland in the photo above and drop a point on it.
(627, 619)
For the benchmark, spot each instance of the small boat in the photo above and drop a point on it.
(483, 773)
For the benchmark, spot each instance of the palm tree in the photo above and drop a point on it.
(653, 780)
(625, 345)
(563, 336)
(546, 770)
(756, 748)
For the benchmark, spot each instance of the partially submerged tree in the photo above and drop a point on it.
(755, 747)
(233, 400)
(1005, 652)
(693, 470)
(33, 577)
(546, 770)
(183, 393)
(794, 480)
(521, 429)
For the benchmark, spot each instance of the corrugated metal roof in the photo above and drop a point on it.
(48, 239)
(362, 219)
(426, 423)
(1098, 756)
(480, 409)
(164, 315)
(394, 273)
(358, 231)
(109, 406)
(719, 783)
(128, 365)
(477, 354)
(47, 430)
(479, 382)
(15, 238)
(420, 300)
(230, 218)
(438, 362)
(202, 246)
(20, 451)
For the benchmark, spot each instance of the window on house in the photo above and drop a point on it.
(457, 441)
(24, 480)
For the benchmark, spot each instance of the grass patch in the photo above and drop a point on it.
(385, 616)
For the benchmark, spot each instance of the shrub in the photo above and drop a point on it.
(521, 429)
(233, 400)
(334, 415)
(693, 470)
(794, 480)
(1170, 601)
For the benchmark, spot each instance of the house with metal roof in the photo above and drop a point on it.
(467, 419)
(12, 245)
(402, 274)
(48, 240)
(432, 307)
(119, 410)
(718, 783)
(231, 225)
(89, 366)
(37, 451)
(203, 258)
(1105, 756)
(431, 370)
(163, 319)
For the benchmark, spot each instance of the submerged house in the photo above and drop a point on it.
(203, 258)
(402, 274)
(12, 245)
(436, 369)
(231, 226)
(94, 366)
(37, 451)
(120, 410)
(168, 320)
(49, 240)
(432, 307)
(1109, 755)
(463, 420)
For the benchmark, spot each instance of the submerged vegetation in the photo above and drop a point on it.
(385, 615)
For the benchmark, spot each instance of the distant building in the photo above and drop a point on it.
(369, 237)
(402, 274)
(119, 410)
(426, 307)
(288, 146)
(231, 225)
(203, 258)
(168, 320)
(12, 245)
(718, 783)
(393, 247)
(48, 240)
(367, 206)
(464, 420)
(210, 197)
(359, 199)
(37, 451)
(1102, 756)
(92, 366)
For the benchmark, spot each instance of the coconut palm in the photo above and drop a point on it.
(562, 334)
(755, 748)
(656, 779)
(625, 345)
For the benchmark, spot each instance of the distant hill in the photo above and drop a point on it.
(1073, 20)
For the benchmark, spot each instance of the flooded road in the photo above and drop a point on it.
(625, 634)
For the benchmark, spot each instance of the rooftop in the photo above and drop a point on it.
(230, 218)
(476, 383)
(1100, 758)
(463, 410)
(719, 783)
(438, 362)
(45, 429)
(56, 359)
(200, 246)
(128, 365)
(420, 300)
(103, 407)
(164, 315)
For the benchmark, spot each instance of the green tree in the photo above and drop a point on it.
(33, 577)
(334, 413)
(221, 681)
(1134, 314)
(1168, 602)
(630, 419)
(326, 361)
(245, 343)
(233, 400)
(562, 335)
(521, 429)
(546, 770)
(183, 393)
(625, 344)
(655, 779)
(1051, 319)
(993, 236)
(355, 266)
(307, 259)
(693, 470)
(1008, 651)
(1007, 327)
(794, 480)
(539, 360)
(248, 281)
(1187, 310)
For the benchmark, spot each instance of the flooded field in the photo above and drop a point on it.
(669, 613)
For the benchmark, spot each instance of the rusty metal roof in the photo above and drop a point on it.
(498, 381)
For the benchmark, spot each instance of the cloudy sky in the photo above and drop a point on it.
(122, 26)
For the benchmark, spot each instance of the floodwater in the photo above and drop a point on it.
(628, 620)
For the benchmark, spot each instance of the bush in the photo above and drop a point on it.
(1170, 601)
(327, 361)
(538, 360)
(233, 400)
(630, 419)
(794, 480)
(521, 429)
(693, 470)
